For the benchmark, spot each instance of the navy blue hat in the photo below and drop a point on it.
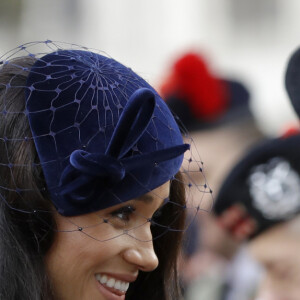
(102, 133)
(263, 189)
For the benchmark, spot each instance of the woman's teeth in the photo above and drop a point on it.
(113, 283)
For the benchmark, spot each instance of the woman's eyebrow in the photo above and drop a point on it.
(149, 198)
(145, 198)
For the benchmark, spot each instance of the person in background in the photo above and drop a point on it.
(259, 202)
(256, 215)
(216, 111)
(258, 206)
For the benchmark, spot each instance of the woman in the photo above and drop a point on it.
(92, 201)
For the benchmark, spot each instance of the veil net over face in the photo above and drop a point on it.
(89, 135)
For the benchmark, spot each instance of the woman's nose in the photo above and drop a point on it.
(143, 257)
(141, 253)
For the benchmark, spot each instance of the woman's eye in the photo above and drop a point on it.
(123, 213)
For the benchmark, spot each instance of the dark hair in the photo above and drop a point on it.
(27, 236)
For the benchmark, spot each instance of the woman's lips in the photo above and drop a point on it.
(114, 287)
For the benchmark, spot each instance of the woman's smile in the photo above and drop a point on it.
(116, 284)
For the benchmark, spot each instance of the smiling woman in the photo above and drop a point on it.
(110, 266)
(92, 186)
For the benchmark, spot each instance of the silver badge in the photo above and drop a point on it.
(275, 189)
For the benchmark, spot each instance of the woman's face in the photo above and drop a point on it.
(99, 262)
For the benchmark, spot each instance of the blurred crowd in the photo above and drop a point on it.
(247, 247)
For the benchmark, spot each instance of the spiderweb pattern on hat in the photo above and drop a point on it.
(89, 78)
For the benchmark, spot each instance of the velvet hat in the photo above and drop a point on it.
(103, 135)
